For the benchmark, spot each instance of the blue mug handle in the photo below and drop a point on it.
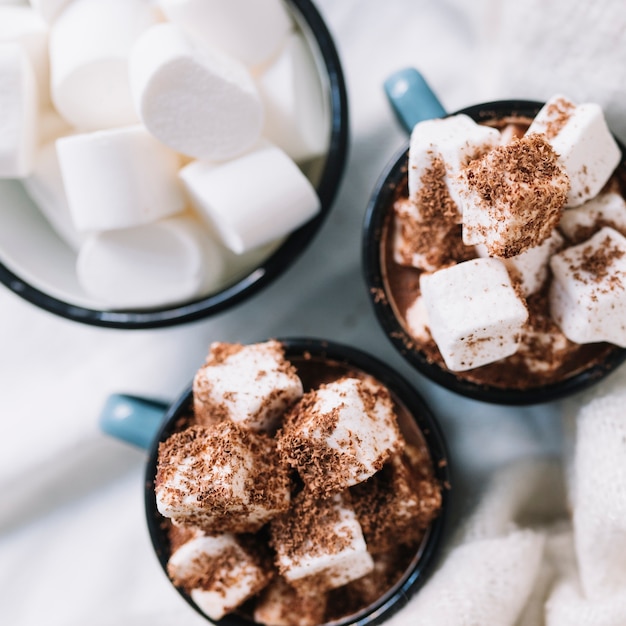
(411, 98)
(132, 419)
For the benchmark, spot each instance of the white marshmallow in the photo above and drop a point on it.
(606, 209)
(530, 268)
(49, 10)
(210, 476)
(89, 46)
(45, 186)
(196, 100)
(356, 406)
(417, 320)
(580, 136)
(588, 291)
(169, 261)
(252, 385)
(253, 199)
(513, 196)
(18, 106)
(119, 178)
(455, 141)
(424, 244)
(398, 501)
(475, 315)
(296, 117)
(217, 572)
(251, 31)
(282, 605)
(304, 562)
(21, 24)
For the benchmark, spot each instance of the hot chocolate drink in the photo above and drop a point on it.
(501, 248)
(295, 491)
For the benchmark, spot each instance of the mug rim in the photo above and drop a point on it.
(271, 268)
(373, 225)
(412, 580)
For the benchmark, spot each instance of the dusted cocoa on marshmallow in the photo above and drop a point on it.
(89, 46)
(513, 196)
(194, 99)
(253, 199)
(474, 313)
(445, 146)
(221, 478)
(252, 31)
(588, 291)
(435, 241)
(281, 604)
(583, 141)
(296, 118)
(22, 25)
(218, 572)
(119, 178)
(319, 543)
(252, 385)
(396, 505)
(45, 187)
(18, 107)
(340, 434)
(529, 269)
(168, 261)
(606, 209)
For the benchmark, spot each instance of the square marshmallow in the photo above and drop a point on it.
(396, 505)
(475, 314)
(319, 543)
(588, 291)
(221, 479)
(513, 197)
(586, 148)
(424, 244)
(340, 434)
(252, 385)
(606, 209)
(218, 572)
(529, 269)
(445, 146)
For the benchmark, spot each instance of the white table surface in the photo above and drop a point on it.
(74, 548)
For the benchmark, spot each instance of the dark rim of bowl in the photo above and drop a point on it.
(274, 265)
(373, 225)
(399, 595)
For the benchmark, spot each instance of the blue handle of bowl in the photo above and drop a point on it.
(132, 419)
(412, 98)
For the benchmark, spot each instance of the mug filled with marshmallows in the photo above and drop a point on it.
(161, 161)
(494, 245)
(297, 481)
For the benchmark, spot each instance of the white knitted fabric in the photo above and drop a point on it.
(600, 496)
(490, 574)
(481, 582)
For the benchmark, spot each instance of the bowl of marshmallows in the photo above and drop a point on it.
(163, 160)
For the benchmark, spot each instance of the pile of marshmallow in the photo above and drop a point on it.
(563, 221)
(270, 489)
(164, 140)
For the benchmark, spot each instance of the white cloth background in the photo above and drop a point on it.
(74, 548)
